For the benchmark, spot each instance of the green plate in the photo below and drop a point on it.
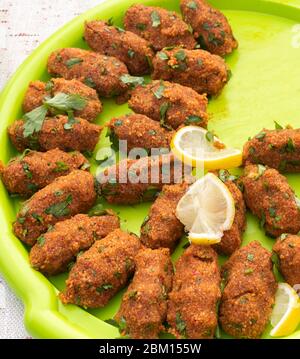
(265, 87)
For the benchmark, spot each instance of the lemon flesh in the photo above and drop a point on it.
(196, 146)
(206, 210)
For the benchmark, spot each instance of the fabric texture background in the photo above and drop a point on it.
(24, 24)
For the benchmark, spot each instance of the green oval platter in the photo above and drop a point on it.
(265, 87)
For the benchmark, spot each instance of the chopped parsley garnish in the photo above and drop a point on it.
(132, 80)
(192, 119)
(152, 132)
(272, 212)
(180, 55)
(248, 271)
(263, 220)
(61, 167)
(163, 56)
(250, 257)
(26, 170)
(41, 241)
(278, 126)
(140, 26)
(130, 53)
(89, 82)
(192, 5)
(159, 92)
(104, 287)
(261, 136)
(163, 113)
(49, 85)
(60, 102)
(180, 324)
(73, 61)
(97, 210)
(200, 62)
(261, 171)
(290, 147)
(209, 136)
(60, 209)
(206, 26)
(155, 19)
(71, 121)
(37, 217)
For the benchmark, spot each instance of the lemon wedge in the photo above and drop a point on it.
(198, 147)
(285, 317)
(207, 210)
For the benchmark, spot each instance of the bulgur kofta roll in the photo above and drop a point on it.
(198, 69)
(65, 197)
(144, 306)
(287, 248)
(170, 103)
(192, 304)
(269, 197)
(140, 132)
(210, 27)
(249, 294)
(279, 149)
(101, 271)
(128, 47)
(38, 91)
(232, 238)
(33, 170)
(95, 70)
(161, 228)
(162, 28)
(57, 248)
(60, 131)
(135, 181)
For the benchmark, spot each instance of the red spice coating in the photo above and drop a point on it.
(128, 47)
(83, 136)
(27, 174)
(159, 26)
(144, 305)
(100, 71)
(101, 271)
(66, 239)
(210, 26)
(171, 103)
(60, 200)
(249, 294)
(198, 69)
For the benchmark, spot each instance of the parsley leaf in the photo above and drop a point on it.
(66, 102)
(192, 5)
(104, 287)
(155, 19)
(73, 61)
(180, 55)
(132, 80)
(159, 92)
(278, 126)
(192, 119)
(60, 209)
(34, 120)
(61, 167)
(163, 56)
